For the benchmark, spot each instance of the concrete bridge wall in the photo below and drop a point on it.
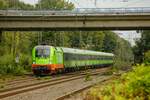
(76, 22)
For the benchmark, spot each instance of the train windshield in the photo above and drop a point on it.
(42, 52)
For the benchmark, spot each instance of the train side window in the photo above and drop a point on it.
(65, 56)
(72, 56)
(100, 57)
(83, 57)
(104, 58)
(88, 57)
(75, 56)
(80, 57)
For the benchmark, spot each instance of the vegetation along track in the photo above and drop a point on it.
(31, 87)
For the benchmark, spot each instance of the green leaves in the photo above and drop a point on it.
(142, 46)
(42, 4)
(134, 85)
(147, 57)
(54, 5)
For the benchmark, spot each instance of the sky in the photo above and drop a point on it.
(111, 3)
(131, 36)
(104, 3)
(30, 1)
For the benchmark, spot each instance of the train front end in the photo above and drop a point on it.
(41, 60)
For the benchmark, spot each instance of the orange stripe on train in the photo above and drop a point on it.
(50, 66)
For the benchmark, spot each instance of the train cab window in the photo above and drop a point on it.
(42, 52)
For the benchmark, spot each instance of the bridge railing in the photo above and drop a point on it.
(80, 11)
(114, 10)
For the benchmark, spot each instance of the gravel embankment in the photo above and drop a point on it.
(55, 91)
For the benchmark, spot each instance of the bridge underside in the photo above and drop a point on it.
(73, 23)
(75, 29)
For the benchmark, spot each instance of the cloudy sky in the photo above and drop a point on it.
(30, 1)
(104, 3)
(111, 3)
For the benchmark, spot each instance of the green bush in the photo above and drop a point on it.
(134, 85)
(147, 58)
(8, 65)
(25, 61)
(6, 59)
(14, 70)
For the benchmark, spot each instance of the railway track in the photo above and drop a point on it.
(31, 78)
(103, 80)
(81, 89)
(30, 87)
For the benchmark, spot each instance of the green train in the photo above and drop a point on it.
(50, 59)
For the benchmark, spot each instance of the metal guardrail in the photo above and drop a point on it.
(80, 11)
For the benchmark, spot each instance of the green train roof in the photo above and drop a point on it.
(38, 46)
(79, 51)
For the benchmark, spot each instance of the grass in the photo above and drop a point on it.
(44, 78)
(134, 85)
(88, 76)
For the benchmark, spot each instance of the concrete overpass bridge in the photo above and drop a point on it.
(79, 19)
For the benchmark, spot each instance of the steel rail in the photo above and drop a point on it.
(82, 89)
(26, 79)
(31, 87)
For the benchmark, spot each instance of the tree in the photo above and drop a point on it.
(110, 41)
(147, 57)
(15, 4)
(54, 5)
(142, 46)
(3, 4)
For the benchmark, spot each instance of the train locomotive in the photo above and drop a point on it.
(49, 59)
